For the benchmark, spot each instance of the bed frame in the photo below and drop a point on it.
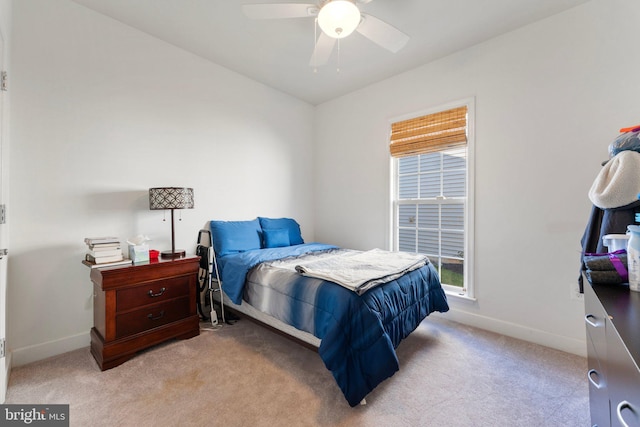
(277, 326)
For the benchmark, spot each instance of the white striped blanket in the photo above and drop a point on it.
(361, 271)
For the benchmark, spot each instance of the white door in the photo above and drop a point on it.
(3, 233)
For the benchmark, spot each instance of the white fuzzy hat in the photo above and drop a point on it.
(618, 183)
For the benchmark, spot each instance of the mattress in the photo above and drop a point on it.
(248, 310)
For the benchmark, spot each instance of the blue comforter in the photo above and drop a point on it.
(358, 334)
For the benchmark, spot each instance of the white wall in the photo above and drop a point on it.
(549, 99)
(102, 112)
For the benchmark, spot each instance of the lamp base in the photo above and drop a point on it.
(178, 253)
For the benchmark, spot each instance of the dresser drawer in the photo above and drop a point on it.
(151, 317)
(151, 293)
(596, 321)
(598, 393)
(624, 376)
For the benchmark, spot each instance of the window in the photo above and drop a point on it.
(431, 189)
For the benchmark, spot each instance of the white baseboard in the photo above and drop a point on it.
(7, 372)
(33, 353)
(536, 336)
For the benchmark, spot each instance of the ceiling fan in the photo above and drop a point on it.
(337, 19)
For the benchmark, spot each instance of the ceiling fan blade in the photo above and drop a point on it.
(280, 10)
(381, 33)
(363, 1)
(322, 51)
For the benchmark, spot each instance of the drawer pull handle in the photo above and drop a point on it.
(152, 295)
(150, 316)
(624, 405)
(590, 375)
(588, 318)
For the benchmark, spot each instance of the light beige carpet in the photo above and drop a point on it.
(245, 375)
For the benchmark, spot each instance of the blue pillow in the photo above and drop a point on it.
(235, 236)
(295, 236)
(275, 237)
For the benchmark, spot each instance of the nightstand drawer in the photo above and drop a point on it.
(151, 293)
(151, 317)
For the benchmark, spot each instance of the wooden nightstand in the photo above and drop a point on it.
(138, 306)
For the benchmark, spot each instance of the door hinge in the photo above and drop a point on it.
(3, 81)
(3, 214)
(1, 348)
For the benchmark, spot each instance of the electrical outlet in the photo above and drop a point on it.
(574, 292)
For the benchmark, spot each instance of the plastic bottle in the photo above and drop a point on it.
(633, 257)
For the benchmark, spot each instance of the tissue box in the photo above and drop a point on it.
(139, 253)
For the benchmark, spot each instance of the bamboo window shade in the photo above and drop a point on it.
(430, 133)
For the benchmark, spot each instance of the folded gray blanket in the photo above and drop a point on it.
(606, 269)
(603, 262)
(610, 277)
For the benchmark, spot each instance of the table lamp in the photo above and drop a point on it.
(171, 198)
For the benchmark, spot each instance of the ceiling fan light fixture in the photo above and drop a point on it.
(339, 18)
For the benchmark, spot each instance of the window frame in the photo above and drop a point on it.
(468, 292)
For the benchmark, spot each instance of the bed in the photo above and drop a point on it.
(340, 301)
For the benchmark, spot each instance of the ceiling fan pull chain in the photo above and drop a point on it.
(338, 69)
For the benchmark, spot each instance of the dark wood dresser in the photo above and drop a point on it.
(612, 316)
(138, 306)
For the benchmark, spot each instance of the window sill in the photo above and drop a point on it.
(460, 296)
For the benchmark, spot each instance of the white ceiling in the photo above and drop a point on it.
(277, 52)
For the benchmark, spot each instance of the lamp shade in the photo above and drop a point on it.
(170, 198)
(339, 18)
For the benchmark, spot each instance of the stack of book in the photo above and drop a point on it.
(104, 251)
